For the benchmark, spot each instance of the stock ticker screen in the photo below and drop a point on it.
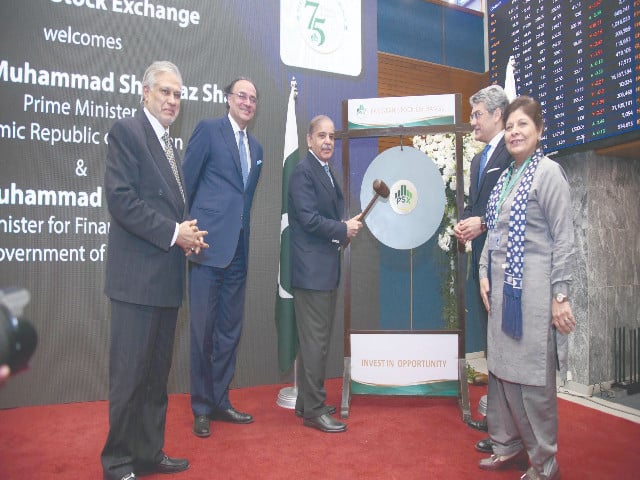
(580, 59)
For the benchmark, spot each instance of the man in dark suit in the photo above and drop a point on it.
(145, 271)
(221, 168)
(487, 109)
(317, 231)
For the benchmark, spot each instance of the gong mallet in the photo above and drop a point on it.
(382, 190)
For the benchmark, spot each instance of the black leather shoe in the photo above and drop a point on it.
(201, 426)
(166, 465)
(325, 423)
(518, 460)
(479, 424)
(485, 445)
(331, 410)
(231, 415)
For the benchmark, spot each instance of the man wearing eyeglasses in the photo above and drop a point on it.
(149, 237)
(221, 170)
(487, 109)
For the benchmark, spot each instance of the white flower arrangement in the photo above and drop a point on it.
(441, 148)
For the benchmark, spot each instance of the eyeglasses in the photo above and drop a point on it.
(165, 92)
(477, 114)
(243, 96)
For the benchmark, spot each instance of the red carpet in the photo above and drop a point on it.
(387, 438)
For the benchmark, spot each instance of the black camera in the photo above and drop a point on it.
(18, 338)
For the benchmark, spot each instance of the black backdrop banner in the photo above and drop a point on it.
(68, 70)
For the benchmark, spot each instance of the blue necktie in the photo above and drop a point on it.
(483, 162)
(326, 169)
(243, 157)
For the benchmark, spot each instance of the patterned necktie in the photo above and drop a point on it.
(483, 162)
(326, 169)
(168, 151)
(243, 157)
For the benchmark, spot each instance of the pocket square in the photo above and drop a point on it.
(259, 162)
(492, 170)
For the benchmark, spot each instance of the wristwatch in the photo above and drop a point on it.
(483, 223)
(561, 297)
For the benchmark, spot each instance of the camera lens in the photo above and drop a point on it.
(18, 340)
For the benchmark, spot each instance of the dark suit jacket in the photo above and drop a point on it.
(478, 198)
(316, 227)
(217, 197)
(145, 204)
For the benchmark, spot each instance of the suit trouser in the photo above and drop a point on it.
(483, 316)
(483, 319)
(315, 312)
(139, 363)
(524, 415)
(216, 301)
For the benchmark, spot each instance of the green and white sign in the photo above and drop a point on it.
(322, 35)
(424, 110)
(404, 364)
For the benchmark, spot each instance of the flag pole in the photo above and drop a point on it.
(287, 395)
(285, 314)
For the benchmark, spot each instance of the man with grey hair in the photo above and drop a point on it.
(149, 238)
(316, 206)
(487, 110)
